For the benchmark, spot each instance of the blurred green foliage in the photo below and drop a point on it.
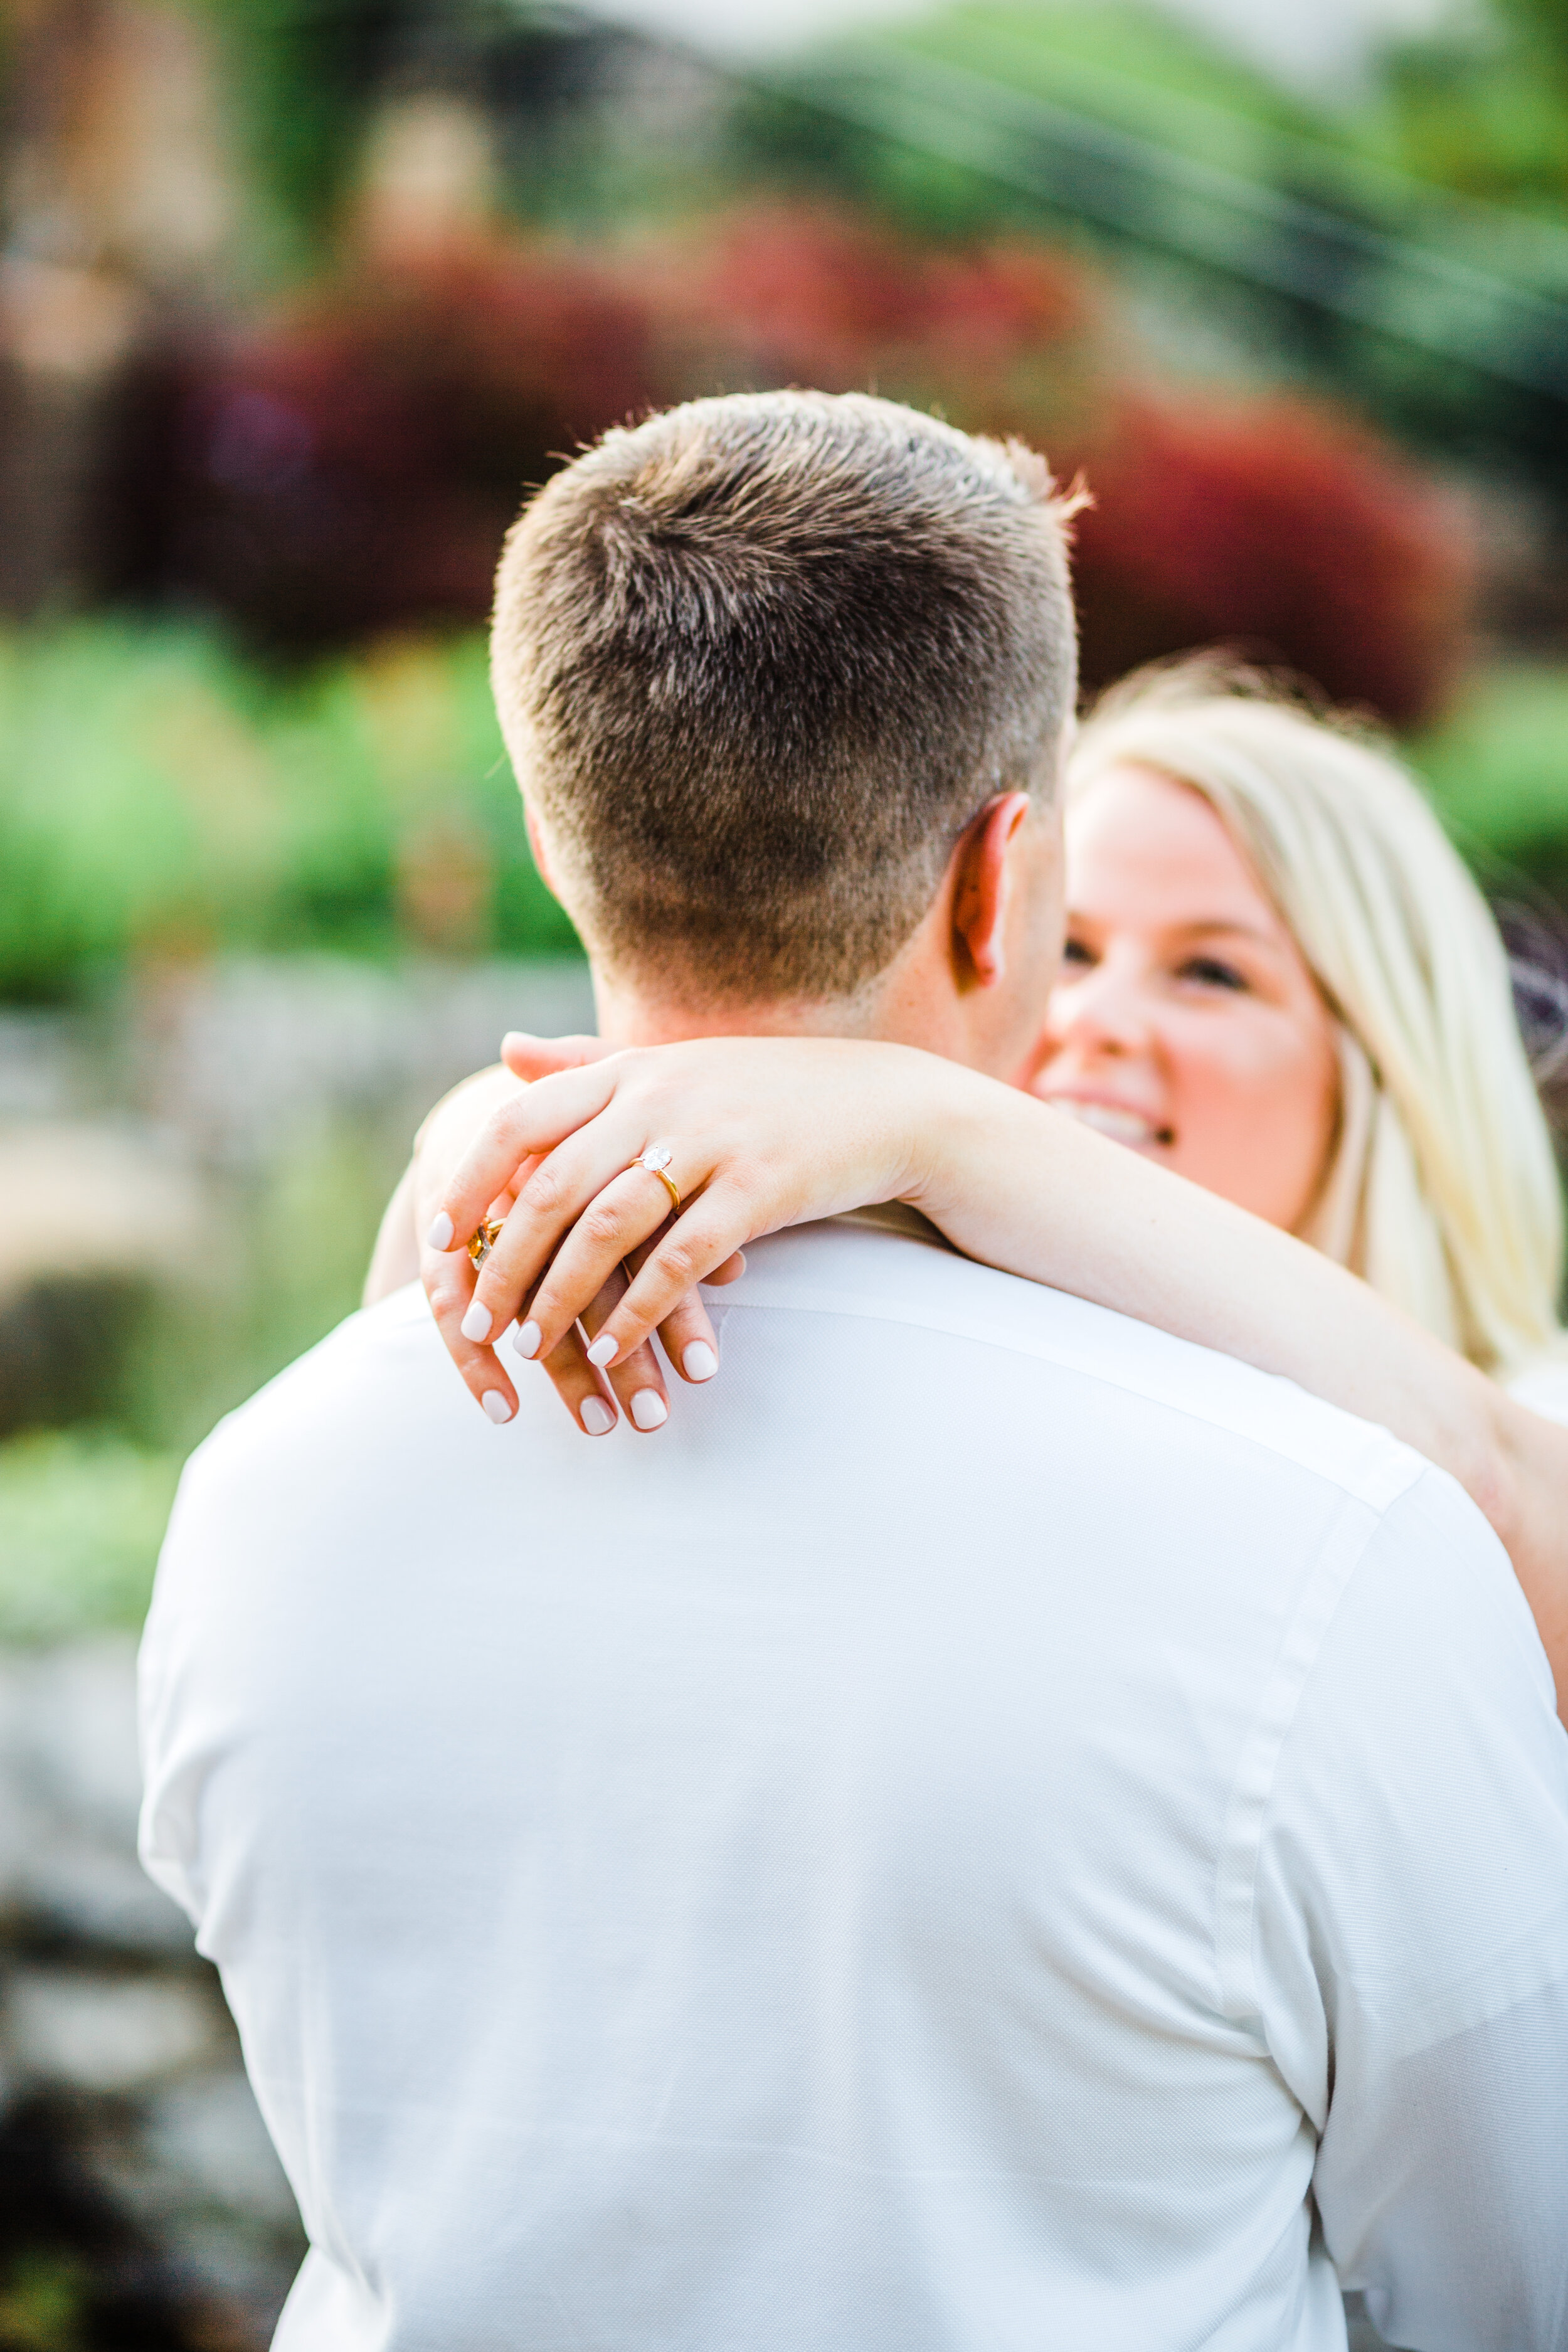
(161, 797)
(1481, 106)
(82, 1513)
(1478, 105)
(82, 1509)
(1137, 68)
(297, 1238)
(1147, 69)
(1498, 769)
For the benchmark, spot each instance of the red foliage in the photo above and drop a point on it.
(1267, 523)
(1300, 536)
(808, 296)
(355, 466)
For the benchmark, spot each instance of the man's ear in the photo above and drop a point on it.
(982, 872)
(541, 854)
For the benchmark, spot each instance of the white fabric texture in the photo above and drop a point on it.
(996, 1830)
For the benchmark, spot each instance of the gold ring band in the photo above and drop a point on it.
(483, 1239)
(657, 1160)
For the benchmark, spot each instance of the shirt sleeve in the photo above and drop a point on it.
(1410, 1939)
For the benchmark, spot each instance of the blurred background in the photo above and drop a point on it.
(296, 298)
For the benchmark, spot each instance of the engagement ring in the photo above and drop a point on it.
(657, 1160)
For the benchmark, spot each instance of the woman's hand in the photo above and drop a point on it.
(759, 1133)
(591, 1398)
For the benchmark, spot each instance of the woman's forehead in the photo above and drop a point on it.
(1142, 846)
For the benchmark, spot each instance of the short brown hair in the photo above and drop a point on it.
(761, 660)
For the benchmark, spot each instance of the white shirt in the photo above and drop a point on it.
(996, 1830)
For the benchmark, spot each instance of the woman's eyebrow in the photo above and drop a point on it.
(1225, 926)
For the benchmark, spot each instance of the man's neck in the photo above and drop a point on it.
(628, 1017)
(927, 996)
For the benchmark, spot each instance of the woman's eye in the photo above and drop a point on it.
(1075, 951)
(1210, 972)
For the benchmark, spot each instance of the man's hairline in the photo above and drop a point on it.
(1044, 791)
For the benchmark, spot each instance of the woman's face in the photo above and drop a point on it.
(1185, 1021)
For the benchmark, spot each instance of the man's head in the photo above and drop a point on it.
(785, 677)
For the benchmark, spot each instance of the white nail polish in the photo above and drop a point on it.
(603, 1350)
(698, 1361)
(476, 1323)
(496, 1405)
(649, 1409)
(597, 1418)
(527, 1340)
(439, 1236)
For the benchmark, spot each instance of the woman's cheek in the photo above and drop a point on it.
(1250, 1119)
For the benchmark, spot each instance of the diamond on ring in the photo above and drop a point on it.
(656, 1160)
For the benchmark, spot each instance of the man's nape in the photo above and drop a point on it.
(971, 983)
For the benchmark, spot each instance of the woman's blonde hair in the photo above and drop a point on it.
(1442, 1187)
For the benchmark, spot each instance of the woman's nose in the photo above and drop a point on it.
(1101, 1010)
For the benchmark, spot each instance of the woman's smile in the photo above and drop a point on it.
(1123, 1122)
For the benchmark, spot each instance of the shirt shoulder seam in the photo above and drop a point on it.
(1341, 1554)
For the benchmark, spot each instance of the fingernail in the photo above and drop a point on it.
(603, 1350)
(699, 1362)
(527, 1339)
(597, 1418)
(496, 1405)
(439, 1236)
(476, 1323)
(648, 1409)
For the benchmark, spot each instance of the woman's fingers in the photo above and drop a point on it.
(586, 1206)
(637, 1380)
(686, 1334)
(590, 1391)
(688, 1338)
(537, 1057)
(601, 1228)
(526, 1125)
(449, 1286)
(586, 1394)
(703, 1237)
(566, 1276)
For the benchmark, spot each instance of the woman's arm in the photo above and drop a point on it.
(768, 1132)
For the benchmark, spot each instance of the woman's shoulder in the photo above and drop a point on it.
(1544, 1387)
